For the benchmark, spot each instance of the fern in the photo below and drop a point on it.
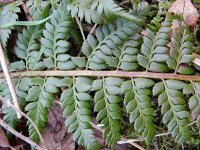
(93, 10)
(154, 50)
(140, 9)
(40, 98)
(28, 46)
(104, 51)
(175, 114)
(8, 14)
(22, 86)
(107, 105)
(194, 101)
(180, 58)
(76, 107)
(138, 104)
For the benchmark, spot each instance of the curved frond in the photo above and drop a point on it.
(180, 56)
(138, 104)
(40, 98)
(76, 107)
(175, 114)
(104, 50)
(108, 108)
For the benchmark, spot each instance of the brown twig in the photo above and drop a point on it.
(26, 11)
(57, 73)
(17, 134)
(8, 104)
(123, 139)
(9, 81)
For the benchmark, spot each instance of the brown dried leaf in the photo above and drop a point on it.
(3, 139)
(187, 9)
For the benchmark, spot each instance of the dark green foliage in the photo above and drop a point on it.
(194, 101)
(98, 10)
(22, 86)
(175, 114)
(180, 56)
(107, 105)
(138, 104)
(8, 14)
(40, 98)
(105, 50)
(154, 50)
(28, 46)
(76, 107)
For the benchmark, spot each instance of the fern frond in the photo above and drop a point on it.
(138, 104)
(8, 14)
(108, 108)
(140, 9)
(40, 97)
(154, 50)
(22, 86)
(27, 46)
(93, 10)
(175, 114)
(55, 34)
(194, 101)
(180, 56)
(129, 51)
(104, 50)
(76, 107)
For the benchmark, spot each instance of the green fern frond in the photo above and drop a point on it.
(108, 108)
(138, 104)
(76, 107)
(129, 51)
(27, 46)
(175, 114)
(93, 11)
(104, 50)
(180, 56)
(8, 14)
(140, 9)
(40, 98)
(22, 86)
(194, 101)
(154, 50)
(55, 34)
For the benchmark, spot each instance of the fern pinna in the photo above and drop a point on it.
(119, 43)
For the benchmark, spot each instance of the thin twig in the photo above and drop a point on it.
(8, 104)
(88, 73)
(17, 134)
(26, 11)
(9, 81)
(80, 27)
(123, 139)
(93, 29)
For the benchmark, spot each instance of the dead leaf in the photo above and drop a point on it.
(187, 9)
(3, 139)
(68, 143)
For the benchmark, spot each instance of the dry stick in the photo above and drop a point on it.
(123, 139)
(9, 81)
(88, 73)
(27, 13)
(8, 104)
(17, 134)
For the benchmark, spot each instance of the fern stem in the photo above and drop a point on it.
(9, 80)
(80, 27)
(89, 73)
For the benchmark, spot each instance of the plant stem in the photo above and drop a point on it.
(80, 27)
(9, 80)
(19, 135)
(88, 73)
